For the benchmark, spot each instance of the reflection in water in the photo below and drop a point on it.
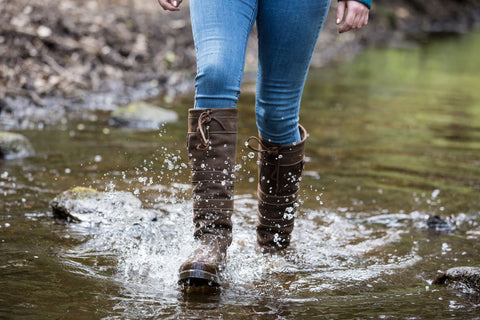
(395, 138)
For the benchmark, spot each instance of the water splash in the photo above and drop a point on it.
(142, 256)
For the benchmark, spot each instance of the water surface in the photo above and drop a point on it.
(394, 138)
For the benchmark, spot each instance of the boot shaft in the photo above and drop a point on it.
(280, 167)
(279, 174)
(212, 139)
(212, 142)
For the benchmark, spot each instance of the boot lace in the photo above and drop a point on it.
(273, 151)
(203, 130)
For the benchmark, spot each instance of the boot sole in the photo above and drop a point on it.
(195, 277)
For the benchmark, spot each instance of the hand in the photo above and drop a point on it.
(355, 17)
(170, 5)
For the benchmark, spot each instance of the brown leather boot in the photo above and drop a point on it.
(212, 143)
(279, 174)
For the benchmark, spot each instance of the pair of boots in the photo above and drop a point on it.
(212, 142)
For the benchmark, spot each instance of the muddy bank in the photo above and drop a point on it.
(58, 57)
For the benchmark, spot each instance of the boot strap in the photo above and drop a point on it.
(215, 176)
(220, 204)
(276, 200)
(275, 223)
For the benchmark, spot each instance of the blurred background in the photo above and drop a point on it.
(98, 54)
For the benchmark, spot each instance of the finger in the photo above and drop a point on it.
(357, 22)
(365, 22)
(363, 19)
(362, 12)
(340, 11)
(348, 24)
(167, 5)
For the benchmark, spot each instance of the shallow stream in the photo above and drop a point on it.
(394, 139)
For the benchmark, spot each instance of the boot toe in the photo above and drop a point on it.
(199, 274)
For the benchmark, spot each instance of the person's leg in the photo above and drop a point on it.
(220, 30)
(287, 35)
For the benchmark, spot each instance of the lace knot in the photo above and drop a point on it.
(203, 130)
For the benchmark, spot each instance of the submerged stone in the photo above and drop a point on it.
(14, 146)
(89, 205)
(438, 224)
(464, 277)
(142, 115)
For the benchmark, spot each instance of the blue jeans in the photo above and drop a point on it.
(287, 34)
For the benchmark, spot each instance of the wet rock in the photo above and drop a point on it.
(65, 203)
(467, 278)
(142, 115)
(438, 224)
(89, 205)
(14, 146)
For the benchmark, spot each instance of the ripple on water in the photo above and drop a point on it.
(142, 256)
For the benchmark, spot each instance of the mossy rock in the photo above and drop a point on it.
(63, 204)
(89, 205)
(142, 115)
(14, 146)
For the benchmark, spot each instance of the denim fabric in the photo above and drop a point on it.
(287, 33)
